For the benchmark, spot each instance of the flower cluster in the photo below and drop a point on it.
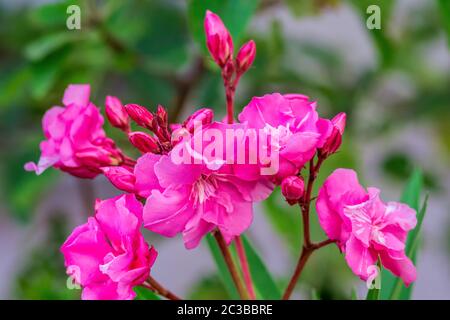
(191, 178)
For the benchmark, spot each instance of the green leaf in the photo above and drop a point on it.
(314, 295)
(51, 14)
(410, 196)
(444, 9)
(235, 14)
(375, 293)
(145, 294)
(400, 291)
(47, 44)
(222, 267)
(262, 279)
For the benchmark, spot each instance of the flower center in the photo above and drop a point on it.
(203, 188)
(280, 135)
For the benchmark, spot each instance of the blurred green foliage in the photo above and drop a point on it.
(153, 51)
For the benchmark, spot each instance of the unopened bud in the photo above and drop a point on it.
(162, 117)
(292, 188)
(334, 140)
(140, 115)
(200, 117)
(218, 39)
(116, 113)
(246, 56)
(144, 142)
(121, 177)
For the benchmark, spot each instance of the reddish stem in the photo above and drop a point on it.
(245, 268)
(159, 289)
(308, 247)
(230, 264)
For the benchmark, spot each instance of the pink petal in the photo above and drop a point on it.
(146, 179)
(169, 173)
(400, 265)
(401, 215)
(77, 94)
(84, 251)
(359, 258)
(167, 213)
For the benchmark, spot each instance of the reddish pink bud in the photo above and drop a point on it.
(218, 39)
(292, 188)
(200, 117)
(121, 177)
(334, 140)
(140, 115)
(162, 117)
(116, 113)
(144, 142)
(246, 56)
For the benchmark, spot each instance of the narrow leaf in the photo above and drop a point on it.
(222, 267)
(145, 294)
(400, 291)
(262, 279)
(410, 196)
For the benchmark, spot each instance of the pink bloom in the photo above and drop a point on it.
(292, 188)
(245, 56)
(293, 120)
(108, 255)
(193, 199)
(365, 227)
(218, 39)
(116, 114)
(334, 139)
(75, 140)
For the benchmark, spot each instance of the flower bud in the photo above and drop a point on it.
(334, 140)
(116, 113)
(292, 188)
(162, 117)
(121, 177)
(144, 142)
(202, 117)
(218, 39)
(140, 115)
(246, 56)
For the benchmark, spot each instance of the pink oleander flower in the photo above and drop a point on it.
(195, 198)
(245, 56)
(108, 255)
(365, 227)
(75, 140)
(293, 120)
(218, 39)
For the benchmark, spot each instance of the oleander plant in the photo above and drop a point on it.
(201, 178)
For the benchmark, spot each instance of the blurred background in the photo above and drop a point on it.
(393, 83)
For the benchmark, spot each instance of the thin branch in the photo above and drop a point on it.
(159, 289)
(308, 247)
(231, 265)
(245, 268)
